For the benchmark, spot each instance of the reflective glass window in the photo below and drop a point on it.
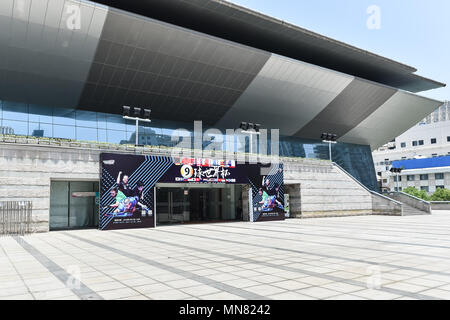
(18, 127)
(115, 122)
(86, 134)
(101, 135)
(64, 116)
(101, 121)
(116, 136)
(64, 132)
(40, 114)
(38, 129)
(15, 111)
(86, 119)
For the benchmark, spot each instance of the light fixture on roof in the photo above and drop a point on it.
(137, 116)
(397, 171)
(329, 138)
(250, 128)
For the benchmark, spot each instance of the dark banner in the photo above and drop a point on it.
(128, 181)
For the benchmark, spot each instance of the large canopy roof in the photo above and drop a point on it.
(235, 23)
(114, 58)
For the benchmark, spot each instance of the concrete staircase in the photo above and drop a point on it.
(411, 211)
(320, 189)
(324, 189)
(410, 204)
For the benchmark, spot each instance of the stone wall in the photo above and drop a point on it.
(26, 172)
(440, 205)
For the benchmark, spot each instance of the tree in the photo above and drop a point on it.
(441, 195)
(421, 194)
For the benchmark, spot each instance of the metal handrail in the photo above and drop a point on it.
(367, 189)
(411, 196)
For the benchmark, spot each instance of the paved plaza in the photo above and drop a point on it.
(366, 257)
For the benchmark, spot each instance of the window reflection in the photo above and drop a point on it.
(86, 119)
(64, 116)
(40, 130)
(41, 121)
(15, 111)
(86, 134)
(40, 114)
(115, 122)
(64, 132)
(116, 136)
(18, 127)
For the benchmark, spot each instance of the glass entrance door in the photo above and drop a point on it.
(172, 205)
(182, 203)
(73, 204)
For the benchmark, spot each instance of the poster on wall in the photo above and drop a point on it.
(127, 189)
(268, 193)
(127, 197)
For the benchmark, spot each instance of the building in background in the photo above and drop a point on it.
(430, 138)
(427, 174)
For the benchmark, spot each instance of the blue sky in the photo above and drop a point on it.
(414, 32)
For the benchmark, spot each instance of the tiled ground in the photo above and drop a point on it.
(369, 257)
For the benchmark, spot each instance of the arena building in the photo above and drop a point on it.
(67, 68)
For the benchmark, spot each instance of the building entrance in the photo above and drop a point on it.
(182, 203)
(73, 204)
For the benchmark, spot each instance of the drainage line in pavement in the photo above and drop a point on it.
(212, 283)
(311, 273)
(324, 243)
(83, 292)
(342, 237)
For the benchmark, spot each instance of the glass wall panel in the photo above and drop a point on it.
(101, 120)
(40, 114)
(59, 203)
(115, 122)
(87, 134)
(64, 116)
(19, 127)
(40, 130)
(86, 119)
(43, 121)
(73, 204)
(102, 136)
(64, 132)
(116, 136)
(15, 111)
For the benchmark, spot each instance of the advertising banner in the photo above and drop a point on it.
(127, 186)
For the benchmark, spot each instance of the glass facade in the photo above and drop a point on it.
(41, 121)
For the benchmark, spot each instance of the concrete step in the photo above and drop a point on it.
(411, 211)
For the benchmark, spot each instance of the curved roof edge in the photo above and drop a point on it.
(239, 24)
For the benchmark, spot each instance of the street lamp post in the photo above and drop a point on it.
(397, 172)
(329, 138)
(245, 126)
(137, 116)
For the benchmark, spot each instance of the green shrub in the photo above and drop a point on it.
(441, 195)
(421, 194)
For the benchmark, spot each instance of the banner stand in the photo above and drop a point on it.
(250, 204)
(154, 205)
